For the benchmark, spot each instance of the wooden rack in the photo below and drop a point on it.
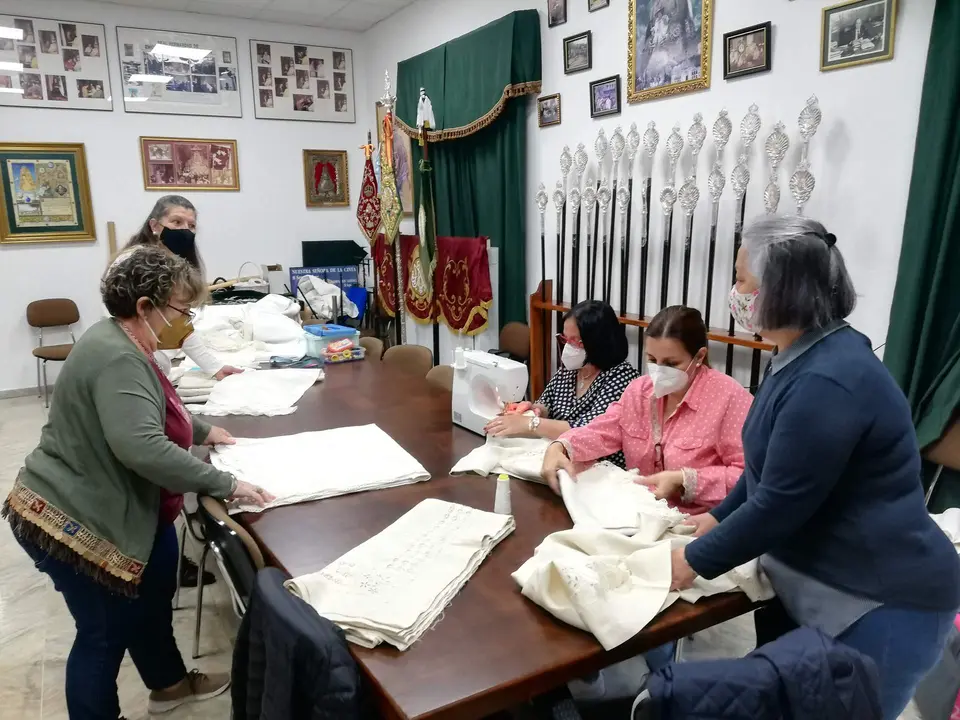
(542, 307)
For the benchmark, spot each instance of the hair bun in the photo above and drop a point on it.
(830, 239)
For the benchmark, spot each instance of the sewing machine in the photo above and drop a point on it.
(482, 385)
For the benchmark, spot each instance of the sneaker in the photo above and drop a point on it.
(194, 687)
(189, 573)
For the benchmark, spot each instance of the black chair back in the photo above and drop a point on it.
(240, 567)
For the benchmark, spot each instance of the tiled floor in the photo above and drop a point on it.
(36, 631)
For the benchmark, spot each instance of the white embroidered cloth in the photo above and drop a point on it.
(949, 522)
(317, 465)
(518, 457)
(394, 586)
(259, 392)
(606, 497)
(612, 585)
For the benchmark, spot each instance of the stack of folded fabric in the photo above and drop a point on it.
(259, 392)
(195, 386)
(518, 457)
(393, 587)
(318, 465)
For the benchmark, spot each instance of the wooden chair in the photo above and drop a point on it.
(414, 359)
(514, 342)
(442, 377)
(51, 313)
(373, 346)
(944, 453)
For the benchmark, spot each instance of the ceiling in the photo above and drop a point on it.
(355, 15)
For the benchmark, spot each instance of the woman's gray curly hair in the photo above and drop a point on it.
(149, 272)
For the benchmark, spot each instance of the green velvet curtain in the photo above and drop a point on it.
(923, 343)
(477, 85)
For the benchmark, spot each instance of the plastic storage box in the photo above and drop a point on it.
(319, 336)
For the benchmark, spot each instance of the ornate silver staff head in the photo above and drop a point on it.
(623, 200)
(674, 148)
(722, 129)
(802, 184)
(566, 162)
(574, 199)
(668, 198)
(810, 118)
(589, 201)
(716, 182)
(740, 177)
(651, 139)
(633, 143)
(604, 197)
(696, 135)
(601, 146)
(771, 196)
(581, 159)
(388, 99)
(776, 146)
(689, 196)
(542, 204)
(558, 198)
(750, 126)
(617, 145)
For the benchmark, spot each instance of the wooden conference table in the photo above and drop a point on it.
(492, 649)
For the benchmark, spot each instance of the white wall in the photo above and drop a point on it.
(264, 222)
(862, 155)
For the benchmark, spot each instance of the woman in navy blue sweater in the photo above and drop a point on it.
(830, 498)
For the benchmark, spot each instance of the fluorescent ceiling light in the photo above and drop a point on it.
(14, 91)
(12, 33)
(169, 51)
(160, 79)
(14, 66)
(135, 99)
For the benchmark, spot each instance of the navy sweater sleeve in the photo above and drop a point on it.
(813, 435)
(734, 499)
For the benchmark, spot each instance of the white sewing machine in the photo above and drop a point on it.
(482, 385)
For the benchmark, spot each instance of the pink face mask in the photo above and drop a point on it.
(743, 308)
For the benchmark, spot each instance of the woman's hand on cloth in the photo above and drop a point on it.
(219, 436)
(682, 575)
(703, 523)
(225, 371)
(508, 426)
(251, 494)
(555, 460)
(664, 485)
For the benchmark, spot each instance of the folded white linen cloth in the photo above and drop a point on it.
(394, 586)
(259, 392)
(607, 497)
(949, 522)
(612, 585)
(317, 465)
(518, 457)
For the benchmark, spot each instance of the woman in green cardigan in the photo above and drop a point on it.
(95, 502)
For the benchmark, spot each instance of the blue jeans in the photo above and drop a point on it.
(905, 645)
(108, 624)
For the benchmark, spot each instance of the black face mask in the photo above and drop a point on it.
(181, 242)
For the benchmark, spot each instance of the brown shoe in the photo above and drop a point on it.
(195, 686)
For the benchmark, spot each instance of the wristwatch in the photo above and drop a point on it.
(534, 423)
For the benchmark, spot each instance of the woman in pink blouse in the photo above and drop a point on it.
(679, 425)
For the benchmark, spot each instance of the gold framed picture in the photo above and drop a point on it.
(857, 32)
(46, 194)
(189, 164)
(668, 47)
(325, 178)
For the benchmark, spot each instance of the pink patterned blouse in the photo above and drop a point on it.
(702, 437)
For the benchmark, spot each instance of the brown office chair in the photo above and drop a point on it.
(442, 377)
(944, 453)
(414, 359)
(514, 342)
(373, 346)
(52, 313)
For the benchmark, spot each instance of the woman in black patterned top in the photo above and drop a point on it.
(594, 373)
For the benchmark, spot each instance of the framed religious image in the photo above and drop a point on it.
(578, 53)
(53, 64)
(605, 97)
(556, 12)
(402, 161)
(46, 194)
(594, 5)
(857, 32)
(668, 47)
(178, 73)
(189, 164)
(548, 110)
(325, 180)
(747, 51)
(302, 82)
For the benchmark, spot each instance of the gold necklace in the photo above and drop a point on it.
(583, 382)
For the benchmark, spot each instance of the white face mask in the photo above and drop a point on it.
(572, 357)
(666, 379)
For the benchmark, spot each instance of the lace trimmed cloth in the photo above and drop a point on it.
(521, 458)
(393, 587)
(258, 392)
(317, 465)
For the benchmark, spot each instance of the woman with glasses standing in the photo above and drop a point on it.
(594, 373)
(679, 426)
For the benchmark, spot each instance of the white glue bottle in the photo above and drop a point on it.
(501, 503)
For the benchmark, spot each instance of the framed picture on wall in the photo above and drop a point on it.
(747, 51)
(548, 110)
(177, 73)
(605, 97)
(402, 161)
(58, 64)
(668, 48)
(857, 32)
(325, 179)
(46, 194)
(302, 82)
(594, 5)
(189, 164)
(556, 12)
(578, 53)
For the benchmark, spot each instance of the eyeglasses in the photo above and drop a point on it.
(186, 312)
(564, 340)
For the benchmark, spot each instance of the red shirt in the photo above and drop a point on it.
(178, 428)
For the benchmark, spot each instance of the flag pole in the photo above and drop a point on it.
(391, 212)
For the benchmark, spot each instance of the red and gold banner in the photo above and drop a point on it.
(464, 294)
(386, 276)
(418, 294)
(368, 207)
